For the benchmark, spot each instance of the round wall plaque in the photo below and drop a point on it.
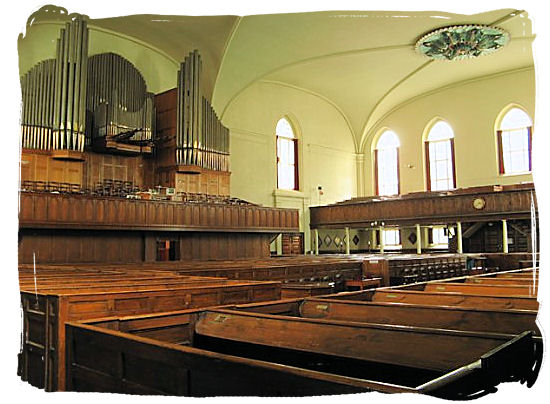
(478, 203)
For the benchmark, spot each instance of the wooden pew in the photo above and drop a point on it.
(46, 311)
(106, 360)
(207, 353)
(378, 343)
(303, 289)
(455, 299)
(501, 281)
(295, 268)
(129, 286)
(522, 275)
(481, 289)
(416, 315)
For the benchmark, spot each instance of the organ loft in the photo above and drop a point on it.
(215, 206)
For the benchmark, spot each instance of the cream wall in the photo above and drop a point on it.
(471, 108)
(159, 71)
(326, 149)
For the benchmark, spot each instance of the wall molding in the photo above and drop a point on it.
(330, 150)
(248, 135)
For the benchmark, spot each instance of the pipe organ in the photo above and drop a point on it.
(78, 109)
(54, 93)
(121, 109)
(201, 139)
(70, 100)
(37, 90)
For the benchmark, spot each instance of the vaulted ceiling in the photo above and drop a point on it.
(361, 62)
(364, 63)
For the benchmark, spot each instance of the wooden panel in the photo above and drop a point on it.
(525, 281)
(393, 345)
(482, 289)
(456, 299)
(187, 371)
(451, 318)
(40, 166)
(52, 210)
(429, 207)
(78, 303)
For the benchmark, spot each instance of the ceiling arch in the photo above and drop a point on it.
(366, 68)
(344, 117)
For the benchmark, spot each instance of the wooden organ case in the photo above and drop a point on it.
(111, 172)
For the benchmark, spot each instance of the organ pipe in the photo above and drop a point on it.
(118, 100)
(54, 93)
(69, 100)
(69, 124)
(201, 139)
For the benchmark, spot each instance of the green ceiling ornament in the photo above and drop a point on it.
(462, 42)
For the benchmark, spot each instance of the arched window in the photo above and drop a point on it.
(514, 142)
(440, 157)
(386, 161)
(287, 156)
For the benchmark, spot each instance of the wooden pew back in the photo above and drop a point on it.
(456, 299)
(481, 289)
(416, 315)
(378, 343)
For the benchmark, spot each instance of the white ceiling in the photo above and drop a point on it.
(364, 63)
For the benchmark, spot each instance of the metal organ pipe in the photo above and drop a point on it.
(201, 139)
(122, 108)
(59, 96)
(71, 57)
(37, 93)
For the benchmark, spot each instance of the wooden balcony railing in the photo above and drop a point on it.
(482, 203)
(48, 210)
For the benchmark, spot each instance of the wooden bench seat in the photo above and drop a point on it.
(378, 343)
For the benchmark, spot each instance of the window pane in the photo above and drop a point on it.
(441, 165)
(388, 179)
(290, 151)
(517, 141)
(388, 140)
(284, 128)
(441, 150)
(440, 131)
(439, 237)
(286, 164)
(391, 237)
(515, 150)
(515, 118)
